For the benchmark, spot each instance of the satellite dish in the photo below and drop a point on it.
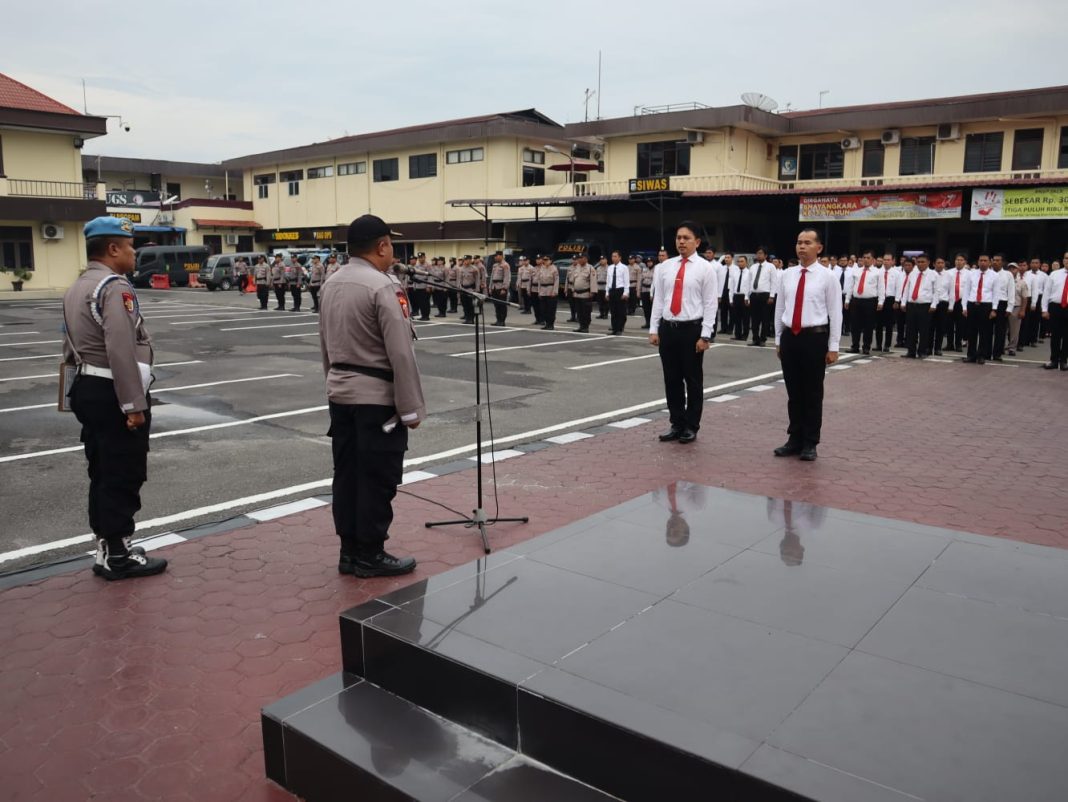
(759, 101)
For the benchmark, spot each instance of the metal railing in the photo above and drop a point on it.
(35, 188)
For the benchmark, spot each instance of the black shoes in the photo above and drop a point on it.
(867, 352)
(670, 434)
(440, 314)
(498, 323)
(381, 564)
(937, 352)
(102, 553)
(129, 565)
(808, 454)
(854, 350)
(788, 449)
(1050, 366)
(687, 436)
(582, 330)
(548, 327)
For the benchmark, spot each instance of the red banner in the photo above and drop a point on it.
(888, 206)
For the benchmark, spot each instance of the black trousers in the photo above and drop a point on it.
(899, 314)
(917, 328)
(368, 466)
(572, 308)
(441, 300)
(468, 305)
(118, 458)
(294, 290)
(524, 300)
(263, 292)
(684, 376)
(884, 326)
(647, 307)
(500, 308)
(602, 303)
(725, 313)
(548, 308)
(847, 318)
(1058, 333)
(939, 324)
(313, 290)
(454, 299)
(535, 306)
(862, 318)
(584, 307)
(740, 316)
(420, 299)
(617, 306)
(760, 316)
(1001, 325)
(1033, 323)
(955, 327)
(804, 366)
(280, 295)
(979, 327)
(632, 300)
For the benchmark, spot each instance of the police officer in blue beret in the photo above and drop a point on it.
(106, 339)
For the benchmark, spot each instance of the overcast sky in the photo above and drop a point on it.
(206, 81)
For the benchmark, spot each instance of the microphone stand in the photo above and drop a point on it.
(478, 519)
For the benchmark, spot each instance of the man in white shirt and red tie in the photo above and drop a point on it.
(1055, 310)
(683, 320)
(979, 310)
(884, 328)
(919, 296)
(808, 327)
(865, 294)
(618, 292)
(955, 282)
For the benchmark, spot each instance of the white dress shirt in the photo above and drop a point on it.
(955, 285)
(1054, 288)
(821, 305)
(892, 281)
(619, 277)
(1007, 291)
(873, 284)
(927, 281)
(989, 282)
(700, 293)
(742, 287)
(1038, 289)
(766, 280)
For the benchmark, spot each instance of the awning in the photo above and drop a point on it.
(203, 223)
(580, 167)
(158, 229)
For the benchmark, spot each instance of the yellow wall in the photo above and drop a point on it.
(56, 263)
(42, 157)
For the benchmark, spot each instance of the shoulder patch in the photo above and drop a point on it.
(402, 299)
(128, 301)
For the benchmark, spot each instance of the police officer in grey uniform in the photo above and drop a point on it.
(546, 285)
(294, 276)
(468, 278)
(316, 274)
(106, 338)
(261, 274)
(583, 290)
(500, 280)
(278, 281)
(437, 270)
(372, 383)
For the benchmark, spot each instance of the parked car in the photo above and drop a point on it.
(174, 261)
(219, 272)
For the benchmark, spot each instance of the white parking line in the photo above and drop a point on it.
(172, 389)
(176, 364)
(535, 345)
(274, 325)
(466, 334)
(292, 490)
(31, 342)
(19, 333)
(174, 433)
(21, 358)
(27, 378)
(205, 313)
(279, 316)
(614, 361)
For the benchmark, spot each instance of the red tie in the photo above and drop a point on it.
(863, 275)
(799, 302)
(956, 288)
(676, 294)
(979, 297)
(1064, 298)
(916, 288)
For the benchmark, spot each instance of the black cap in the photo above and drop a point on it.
(498, 253)
(369, 227)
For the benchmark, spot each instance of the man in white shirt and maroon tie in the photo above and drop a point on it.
(808, 327)
(979, 310)
(865, 294)
(919, 297)
(683, 320)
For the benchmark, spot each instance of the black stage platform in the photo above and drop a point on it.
(700, 644)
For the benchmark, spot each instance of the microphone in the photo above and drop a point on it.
(412, 270)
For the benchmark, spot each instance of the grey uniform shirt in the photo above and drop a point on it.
(364, 320)
(119, 342)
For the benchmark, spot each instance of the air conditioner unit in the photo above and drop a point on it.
(51, 231)
(851, 143)
(596, 155)
(891, 136)
(231, 239)
(695, 137)
(948, 131)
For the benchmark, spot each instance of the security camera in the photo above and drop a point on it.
(126, 128)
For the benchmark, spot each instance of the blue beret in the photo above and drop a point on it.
(109, 227)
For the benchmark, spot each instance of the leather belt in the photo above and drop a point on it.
(86, 369)
(377, 373)
(680, 323)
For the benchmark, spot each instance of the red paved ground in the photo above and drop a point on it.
(151, 689)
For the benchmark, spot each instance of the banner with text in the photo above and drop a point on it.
(1033, 203)
(899, 206)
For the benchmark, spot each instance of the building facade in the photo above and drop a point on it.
(44, 198)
